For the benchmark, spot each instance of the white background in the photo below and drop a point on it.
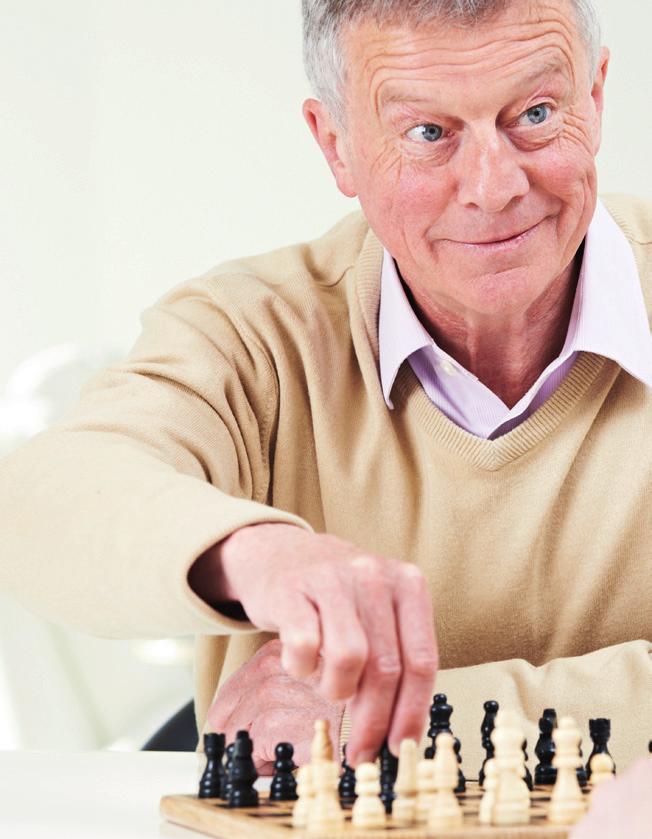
(141, 142)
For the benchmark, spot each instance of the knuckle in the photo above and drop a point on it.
(302, 644)
(412, 577)
(386, 668)
(348, 661)
(371, 566)
(423, 665)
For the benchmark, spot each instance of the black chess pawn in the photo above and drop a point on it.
(228, 762)
(346, 787)
(461, 780)
(550, 714)
(440, 715)
(528, 775)
(284, 785)
(210, 785)
(488, 725)
(388, 772)
(545, 773)
(600, 731)
(243, 773)
(649, 747)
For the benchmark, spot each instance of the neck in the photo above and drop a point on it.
(507, 355)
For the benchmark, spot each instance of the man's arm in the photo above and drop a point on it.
(165, 455)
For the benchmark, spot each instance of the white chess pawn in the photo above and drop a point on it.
(426, 790)
(325, 813)
(602, 769)
(512, 797)
(305, 791)
(566, 801)
(368, 810)
(404, 807)
(489, 797)
(445, 812)
(321, 747)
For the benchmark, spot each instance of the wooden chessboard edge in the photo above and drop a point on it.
(203, 816)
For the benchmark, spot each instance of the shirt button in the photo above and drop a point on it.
(448, 368)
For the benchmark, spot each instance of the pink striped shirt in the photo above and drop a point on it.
(608, 318)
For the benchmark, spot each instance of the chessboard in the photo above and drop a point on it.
(273, 820)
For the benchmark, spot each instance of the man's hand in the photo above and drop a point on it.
(273, 706)
(368, 618)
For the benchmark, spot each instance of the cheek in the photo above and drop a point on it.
(566, 168)
(408, 193)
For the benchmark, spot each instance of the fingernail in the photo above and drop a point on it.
(365, 757)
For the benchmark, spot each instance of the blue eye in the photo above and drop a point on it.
(429, 133)
(538, 114)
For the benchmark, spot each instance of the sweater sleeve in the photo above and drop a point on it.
(163, 456)
(613, 682)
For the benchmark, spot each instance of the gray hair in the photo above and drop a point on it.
(323, 21)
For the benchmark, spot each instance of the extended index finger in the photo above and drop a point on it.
(418, 644)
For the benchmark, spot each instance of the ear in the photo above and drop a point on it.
(597, 94)
(330, 139)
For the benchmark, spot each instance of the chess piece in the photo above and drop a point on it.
(305, 793)
(346, 787)
(545, 773)
(601, 769)
(461, 780)
(600, 731)
(284, 785)
(488, 722)
(321, 747)
(440, 715)
(228, 762)
(527, 777)
(405, 788)
(388, 770)
(566, 802)
(425, 789)
(325, 814)
(243, 773)
(512, 797)
(368, 810)
(211, 781)
(445, 812)
(489, 797)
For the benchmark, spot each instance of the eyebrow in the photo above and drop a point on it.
(397, 97)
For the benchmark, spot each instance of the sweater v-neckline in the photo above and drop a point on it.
(478, 451)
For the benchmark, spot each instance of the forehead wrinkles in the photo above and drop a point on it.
(400, 53)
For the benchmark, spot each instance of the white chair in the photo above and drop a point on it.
(60, 689)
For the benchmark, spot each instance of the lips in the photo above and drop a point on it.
(497, 238)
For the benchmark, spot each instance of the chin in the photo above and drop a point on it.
(501, 292)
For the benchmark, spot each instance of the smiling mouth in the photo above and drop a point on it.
(513, 239)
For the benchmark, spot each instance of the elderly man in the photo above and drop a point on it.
(435, 417)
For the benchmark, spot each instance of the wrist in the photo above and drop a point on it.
(207, 579)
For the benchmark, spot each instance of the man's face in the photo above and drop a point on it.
(461, 136)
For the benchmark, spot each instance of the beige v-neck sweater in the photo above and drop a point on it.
(253, 395)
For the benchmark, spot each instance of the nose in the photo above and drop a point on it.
(490, 173)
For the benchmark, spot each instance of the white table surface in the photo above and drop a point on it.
(94, 795)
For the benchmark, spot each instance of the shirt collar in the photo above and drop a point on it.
(609, 316)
